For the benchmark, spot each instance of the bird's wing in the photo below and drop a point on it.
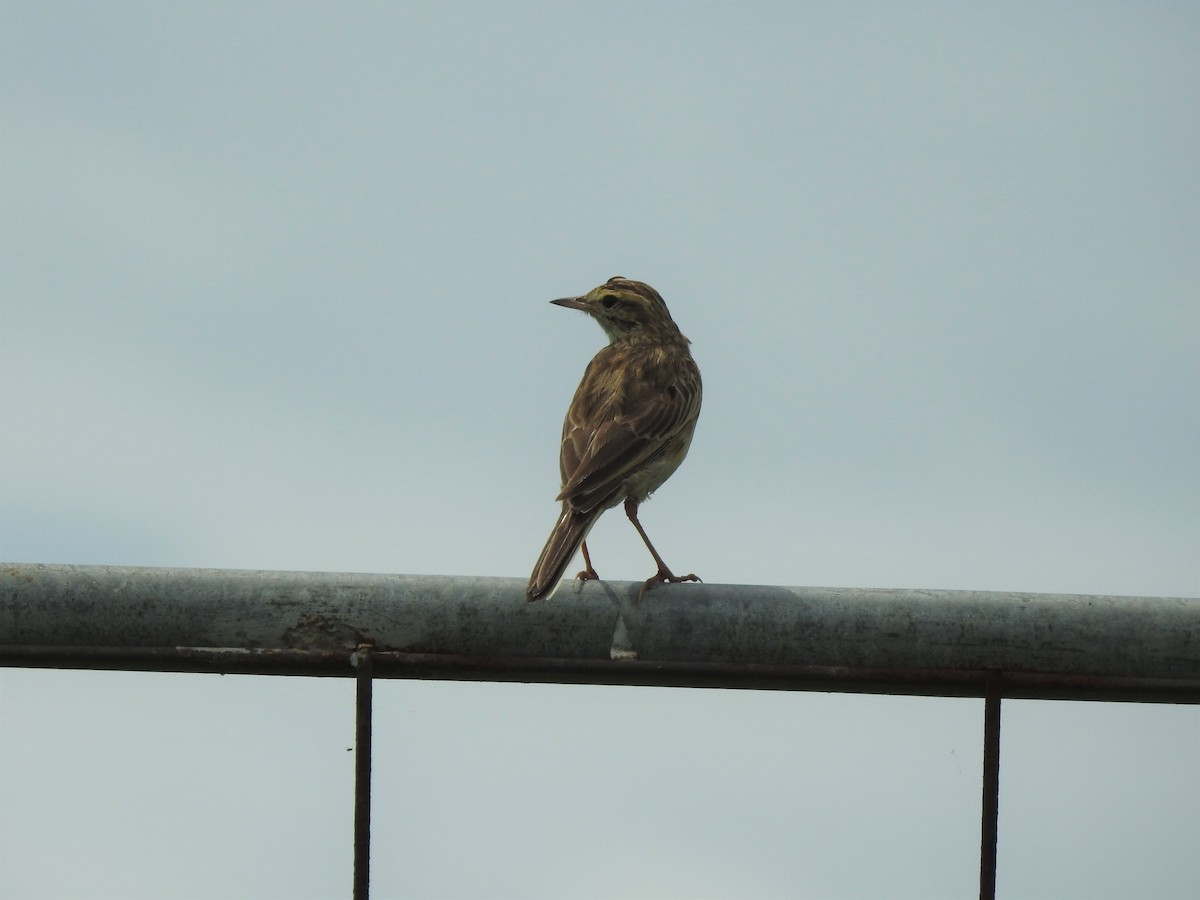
(624, 414)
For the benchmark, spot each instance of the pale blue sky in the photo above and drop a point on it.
(274, 293)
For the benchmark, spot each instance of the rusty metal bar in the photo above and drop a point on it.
(944, 643)
(364, 678)
(991, 789)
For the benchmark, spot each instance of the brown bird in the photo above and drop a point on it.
(627, 429)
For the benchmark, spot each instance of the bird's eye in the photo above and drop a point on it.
(608, 301)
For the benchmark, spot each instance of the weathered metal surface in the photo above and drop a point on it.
(892, 641)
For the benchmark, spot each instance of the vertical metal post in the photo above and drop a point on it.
(362, 773)
(991, 788)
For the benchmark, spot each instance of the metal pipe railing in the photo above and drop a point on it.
(1051, 646)
(954, 643)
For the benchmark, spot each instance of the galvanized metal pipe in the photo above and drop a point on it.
(884, 641)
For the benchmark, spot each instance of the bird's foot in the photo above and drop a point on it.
(664, 576)
(588, 574)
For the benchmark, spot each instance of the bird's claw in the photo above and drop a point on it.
(664, 576)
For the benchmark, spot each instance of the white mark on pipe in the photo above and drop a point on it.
(622, 646)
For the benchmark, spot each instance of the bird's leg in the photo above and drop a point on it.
(663, 574)
(588, 574)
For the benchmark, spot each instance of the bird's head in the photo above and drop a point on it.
(626, 310)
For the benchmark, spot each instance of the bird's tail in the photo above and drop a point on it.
(569, 532)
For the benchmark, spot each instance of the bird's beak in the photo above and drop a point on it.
(572, 303)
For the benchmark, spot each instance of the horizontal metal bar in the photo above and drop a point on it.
(943, 643)
(546, 670)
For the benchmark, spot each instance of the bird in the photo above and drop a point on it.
(627, 429)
